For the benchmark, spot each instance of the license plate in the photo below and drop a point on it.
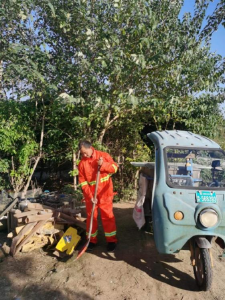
(206, 197)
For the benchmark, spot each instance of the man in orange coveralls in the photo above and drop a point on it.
(88, 167)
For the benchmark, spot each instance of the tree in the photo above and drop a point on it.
(119, 57)
(23, 65)
(20, 151)
(101, 69)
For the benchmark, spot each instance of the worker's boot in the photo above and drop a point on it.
(111, 247)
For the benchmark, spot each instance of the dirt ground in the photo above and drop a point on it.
(134, 272)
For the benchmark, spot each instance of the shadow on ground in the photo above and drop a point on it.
(19, 278)
(29, 290)
(137, 248)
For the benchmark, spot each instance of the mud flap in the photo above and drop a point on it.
(202, 242)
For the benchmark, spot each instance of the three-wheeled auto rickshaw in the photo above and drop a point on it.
(188, 198)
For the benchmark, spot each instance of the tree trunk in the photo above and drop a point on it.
(105, 128)
(108, 123)
(37, 159)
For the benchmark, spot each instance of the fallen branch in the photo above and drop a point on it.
(36, 218)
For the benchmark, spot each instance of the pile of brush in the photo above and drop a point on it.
(39, 225)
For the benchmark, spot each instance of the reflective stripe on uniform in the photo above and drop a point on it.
(115, 167)
(110, 233)
(92, 182)
(93, 234)
(103, 179)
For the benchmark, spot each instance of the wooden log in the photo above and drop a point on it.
(20, 221)
(59, 221)
(36, 218)
(81, 219)
(71, 219)
(10, 235)
(9, 222)
(18, 229)
(34, 243)
(32, 246)
(25, 214)
(5, 249)
(13, 221)
(32, 212)
(16, 240)
(42, 212)
(27, 238)
(51, 224)
(50, 228)
(9, 207)
(15, 211)
(38, 238)
(20, 224)
(67, 210)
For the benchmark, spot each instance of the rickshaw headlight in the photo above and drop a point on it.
(208, 217)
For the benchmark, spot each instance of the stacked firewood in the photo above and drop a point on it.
(40, 225)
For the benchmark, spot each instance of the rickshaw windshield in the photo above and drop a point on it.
(195, 168)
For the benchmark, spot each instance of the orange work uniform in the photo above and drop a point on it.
(87, 178)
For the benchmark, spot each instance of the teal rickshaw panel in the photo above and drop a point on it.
(186, 180)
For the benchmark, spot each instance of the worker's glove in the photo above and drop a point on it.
(92, 200)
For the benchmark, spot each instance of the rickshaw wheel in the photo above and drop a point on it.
(203, 269)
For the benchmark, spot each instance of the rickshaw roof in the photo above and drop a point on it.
(181, 138)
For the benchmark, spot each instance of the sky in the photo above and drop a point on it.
(218, 38)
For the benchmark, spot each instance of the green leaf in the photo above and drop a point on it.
(52, 9)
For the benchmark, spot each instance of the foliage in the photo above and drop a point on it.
(102, 70)
(68, 189)
(18, 145)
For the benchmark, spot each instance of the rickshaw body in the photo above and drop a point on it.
(188, 202)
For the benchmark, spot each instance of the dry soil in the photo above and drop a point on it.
(134, 272)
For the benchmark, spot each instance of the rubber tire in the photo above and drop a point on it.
(203, 261)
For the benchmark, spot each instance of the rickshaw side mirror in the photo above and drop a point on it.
(215, 163)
